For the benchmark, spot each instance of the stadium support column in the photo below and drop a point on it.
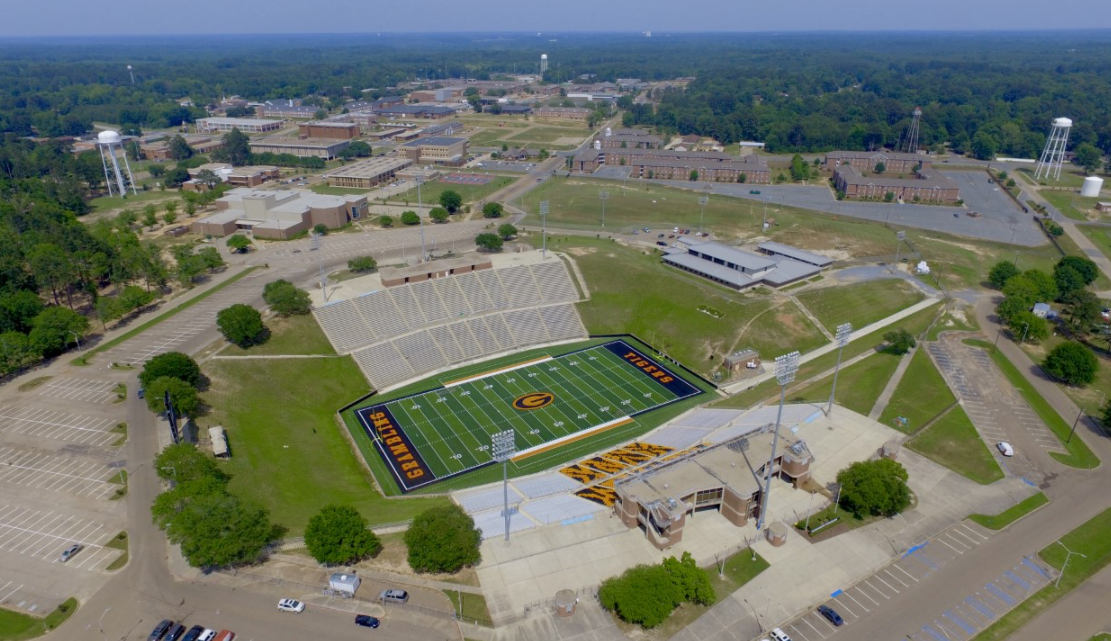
(844, 330)
(504, 446)
(786, 367)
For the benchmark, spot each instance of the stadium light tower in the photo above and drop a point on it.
(844, 330)
(1053, 156)
(504, 445)
(786, 367)
(702, 203)
(603, 195)
(544, 228)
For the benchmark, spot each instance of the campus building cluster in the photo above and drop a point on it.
(279, 214)
(664, 164)
(864, 175)
(777, 264)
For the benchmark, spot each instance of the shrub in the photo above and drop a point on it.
(410, 218)
(899, 341)
(492, 210)
(874, 488)
(647, 594)
(338, 534)
(1001, 272)
(439, 215)
(285, 298)
(362, 264)
(443, 539)
(320, 229)
(488, 242)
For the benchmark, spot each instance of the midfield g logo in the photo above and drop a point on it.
(533, 401)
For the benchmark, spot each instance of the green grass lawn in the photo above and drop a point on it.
(1089, 540)
(915, 324)
(1011, 514)
(1070, 177)
(16, 626)
(1078, 453)
(133, 201)
(1101, 236)
(920, 396)
(1089, 397)
(860, 304)
(858, 386)
(660, 305)
(738, 570)
(474, 608)
(288, 453)
(118, 542)
(292, 335)
(954, 442)
(549, 134)
(1070, 203)
(430, 192)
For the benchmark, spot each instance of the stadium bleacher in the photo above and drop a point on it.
(559, 507)
(546, 484)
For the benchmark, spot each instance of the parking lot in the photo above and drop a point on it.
(40, 423)
(43, 534)
(38, 470)
(81, 389)
(997, 411)
(344, 246)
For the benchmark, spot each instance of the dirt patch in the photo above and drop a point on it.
(972, 248)
(790, 322)
(33, 383)
(580, 251)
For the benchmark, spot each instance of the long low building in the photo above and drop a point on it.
(664, 164)
(923, 185)
(329, 129)
(437, 150)
(865, 161)
(740, 269)
(279, 214)
(369, 173)
(326, 148)
(245, 125)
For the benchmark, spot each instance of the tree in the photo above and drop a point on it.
(385, 221)
(1071, 363)
(236, 149)
(875, 488)
(1012, 306)
(693, 175)
(443, 539)
(1047, 289)
(1106, 417)
(644, 595)
(410, 218)
(800, 170)
(170, 216)
(488, 242)
(208, 178)
(1022, 288)
(238, 243)
(880, 167)
(179, 149)
(171, 364)
(984, 146)
(1089, 157)
(320, 229)
(1084, 310)
(362, 264)
(176, 177)
(218, 529)
(899, 341)
(1026, 326)
(492, 210)
(1067, 280)
(52, 268)
(184, 463)
(286, 299)
(182, 395)
(1001, 272)
(16, 352)
(889, 196)
(18, 311)
(1085, 266)
(150, 216)
(356, 149)
(507, 231)
(450, 200)
(156, 171)
(338, 535)
(241, 325)
(55, 328)
(439, 215)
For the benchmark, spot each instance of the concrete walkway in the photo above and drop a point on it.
(889, 391)
(810, 315)
(1070, 226)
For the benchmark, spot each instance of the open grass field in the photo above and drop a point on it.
(661, 305)
(492, 138)
(920, 396)
(954, 442)
(1011, 514)
(1089, 398)
(549, 134)
(448, 431)
(962, 320)
(296, 335)
(1070, 203)
(133, 201)
(1101, 236)
(1070, 177)
(858, 385)
(288, 453)
(861, 303)
(430, 192)
(1090, 540)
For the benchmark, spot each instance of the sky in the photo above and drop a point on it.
(158, 17)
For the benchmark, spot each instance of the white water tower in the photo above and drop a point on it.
(1053, 156)
(543, 63)
(1091, 187)
(110, 146)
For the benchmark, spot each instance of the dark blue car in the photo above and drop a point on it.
(831, 615)
(366, 621)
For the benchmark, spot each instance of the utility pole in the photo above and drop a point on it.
(420, 205)
(544, 228)
(603, 195)
(900, 236)
(504, 445)
(1067, 557)
(786, 367)
(844, 330)
(702, 202)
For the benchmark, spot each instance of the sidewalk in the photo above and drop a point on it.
(889, 391)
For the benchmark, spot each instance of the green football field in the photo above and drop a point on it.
(443, 432)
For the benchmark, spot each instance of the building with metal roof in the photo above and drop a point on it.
(738, 268)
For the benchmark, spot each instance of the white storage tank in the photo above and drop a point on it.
(1091, 187)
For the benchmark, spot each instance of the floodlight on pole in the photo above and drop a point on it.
(1068, 556)
(702, 203)
(786, 367)
(420, 205)
(900, 236)
(844, 330)
(603, 195)
(504, 445)
(544, 228)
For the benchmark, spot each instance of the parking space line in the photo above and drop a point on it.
(798, 632)
(866, 595)
(846, 593)
(880, 579)
(957, 542)
(933, 633)
(878, 591)
(5, 598)
(842, 605)
(897, 567)
(940, 540)
(819, 632)
(893, 577)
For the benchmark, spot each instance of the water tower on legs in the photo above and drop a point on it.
(110, 146)
(1053, 156)
(543, 63)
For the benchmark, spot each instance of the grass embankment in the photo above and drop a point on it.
(84, 358)
(921, 395)
(474, 608)
(860, 304)
(16, 626)
(1078, 453)
(954, 321)
(662, 305)
(915, 324)
(954, 442)
(430, 192)
(1070, 203)
(1011, 514)
(1100, 236)
(1092, 552)
(288, 454)
(295, 335)
(858, 385)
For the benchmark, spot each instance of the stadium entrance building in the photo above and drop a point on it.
(727, 477)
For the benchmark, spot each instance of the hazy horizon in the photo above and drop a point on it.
(353, 17)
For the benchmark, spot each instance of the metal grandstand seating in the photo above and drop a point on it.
(677, 437)
(560, 507)
(554, 281)
(383, 365)
(500, 331)
(430, 302)
(492, 523)
(547, 484)
(466, 340)
(520, 286)
(485, 498)
(381, 314)
(344, 326)
(473, 291)
(562, 321)
(421, 351)
(448, 345)
(526, 326)
(709, 419)
(482, 334)
(407, 304)
(494, 290)
(455, 301)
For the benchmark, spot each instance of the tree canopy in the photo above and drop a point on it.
(443, 539)
(877, 487)
(492, 210)
(488, 242)
(285, 298)
(182, 395)
(362, 264)
(338, 534)
(1071, 363)
(647, 594)
(450, 200)
(241, 324)
(172, 364)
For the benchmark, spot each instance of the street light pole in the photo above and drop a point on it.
(1066, 564)
(786, 367)
(1024, 330)
(603, 195)
(844, 330)
(76, 338)
(702, 201)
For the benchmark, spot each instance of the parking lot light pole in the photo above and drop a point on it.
(1067, 557)
(786, 367)
(504, 445)
(844, 330)
(75, 338)
(702, 201)
(1025, 329)
(603, 195)
(544, 228)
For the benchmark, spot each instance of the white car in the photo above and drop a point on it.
(1005, 448)
(291, 605)
(779, 635)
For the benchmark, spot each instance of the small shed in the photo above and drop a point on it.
(1043, 310)
(1103, 206)
(745, 359)
(345, 584)
(219, 439)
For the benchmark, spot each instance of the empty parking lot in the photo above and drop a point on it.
(40, 470)
(42, 535)
(87, 390)
(42, 423)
